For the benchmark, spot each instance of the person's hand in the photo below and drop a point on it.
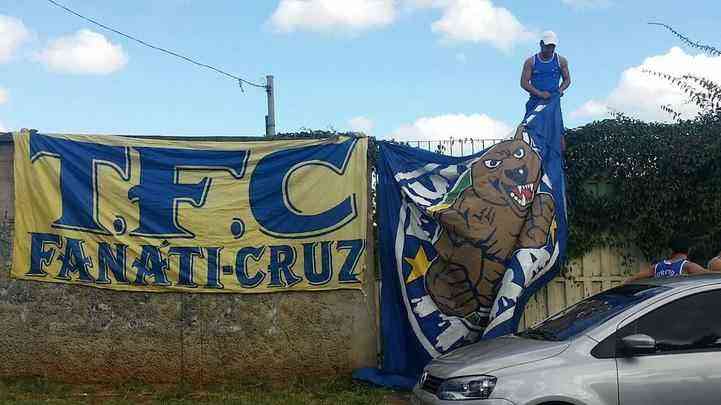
(545, 95)
(560, 93)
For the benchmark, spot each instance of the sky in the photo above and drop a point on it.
(403, 69)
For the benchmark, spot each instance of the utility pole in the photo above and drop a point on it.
(270, 118)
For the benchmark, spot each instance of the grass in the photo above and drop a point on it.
(32, 390)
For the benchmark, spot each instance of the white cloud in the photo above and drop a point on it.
(361, 124)
(587, 3)
(461, 20)
(477, 21)
(85, 52)
(3, 96)
(426, 3)
(641, 95)
(476, 126)
(3, 128)
(590, 108)
(332, 15)
(12, 34)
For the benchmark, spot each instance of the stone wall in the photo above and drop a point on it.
(79, 334)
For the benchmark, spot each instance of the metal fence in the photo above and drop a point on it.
(455, 147)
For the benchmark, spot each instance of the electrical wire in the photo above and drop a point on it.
(240, 80)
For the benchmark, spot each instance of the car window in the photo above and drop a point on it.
(591, 311)
(691, 323)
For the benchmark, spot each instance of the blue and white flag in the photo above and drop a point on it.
(466, 241)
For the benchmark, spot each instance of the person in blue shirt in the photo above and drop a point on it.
(543, 72)
(675, 266)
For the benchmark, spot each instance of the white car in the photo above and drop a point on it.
(655, 341)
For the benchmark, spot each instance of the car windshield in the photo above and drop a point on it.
(591, 311)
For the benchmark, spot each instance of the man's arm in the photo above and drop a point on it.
(715, 264)
(565, 74)
(645, 273)
(693, 268)
(526, 81)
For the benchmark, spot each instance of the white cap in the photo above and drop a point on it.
(549, 38)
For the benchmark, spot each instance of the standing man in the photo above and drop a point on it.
(543, 71)
(541, 74)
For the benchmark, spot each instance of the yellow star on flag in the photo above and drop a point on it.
(419, 265)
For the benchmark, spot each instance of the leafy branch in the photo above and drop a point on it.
(708, 49)
(703, 92)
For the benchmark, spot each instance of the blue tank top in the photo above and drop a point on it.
(546, 75)
(666, 268)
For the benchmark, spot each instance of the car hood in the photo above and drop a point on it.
(489, 355)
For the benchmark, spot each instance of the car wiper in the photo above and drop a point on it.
(538, 334)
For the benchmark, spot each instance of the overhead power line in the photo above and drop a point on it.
(240, 80)
(269, 87)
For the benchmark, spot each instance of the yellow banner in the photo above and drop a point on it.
(196, 216)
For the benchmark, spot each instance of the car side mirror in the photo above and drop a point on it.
(638, 344)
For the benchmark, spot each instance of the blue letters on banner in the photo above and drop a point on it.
(269, 197)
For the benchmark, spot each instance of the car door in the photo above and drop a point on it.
(685, 367)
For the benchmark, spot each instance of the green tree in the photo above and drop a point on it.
(638, 182)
